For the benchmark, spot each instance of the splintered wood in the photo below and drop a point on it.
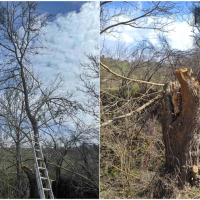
(183, 74)
(184, 77)
(181, 125)
(194, 171)
(176, 98)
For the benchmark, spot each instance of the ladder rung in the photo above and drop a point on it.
(42, 168)
(46, 189)
(39, 158)
(37, 150)
(35, 136)
(44, 178)
(35, 142)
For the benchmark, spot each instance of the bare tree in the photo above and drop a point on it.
(136, 15)
(13, 116)
(21, 28)
(115, 15)
(131, 123)
(89, 84)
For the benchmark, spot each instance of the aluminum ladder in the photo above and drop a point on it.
(41, 173)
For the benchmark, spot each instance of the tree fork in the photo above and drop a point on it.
(181, 125)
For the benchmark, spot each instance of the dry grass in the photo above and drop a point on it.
(124, 148)
(126, 143)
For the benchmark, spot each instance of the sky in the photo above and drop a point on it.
(63, 7)
(69, 36)
(72, 33)
(180, 38)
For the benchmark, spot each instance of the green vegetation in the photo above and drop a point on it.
(8, 187)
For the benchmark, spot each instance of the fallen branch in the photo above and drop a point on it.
(129, 114)
(130, 79)
(113, 95)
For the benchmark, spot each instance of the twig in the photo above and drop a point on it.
(10, 186)
(129, 114)
(72, 171)
(130, 79)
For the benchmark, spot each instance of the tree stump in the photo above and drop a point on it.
(34, 193)
(181, 125)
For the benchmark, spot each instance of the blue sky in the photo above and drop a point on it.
(74, 32)
(180, 38)
(71, 34)
(63, 7)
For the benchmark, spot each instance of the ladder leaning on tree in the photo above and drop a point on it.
(43, 182)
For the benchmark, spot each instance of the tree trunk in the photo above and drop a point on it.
(31, 117)
(34, 193)
(18, 167)
(181, 126)
(58, 170)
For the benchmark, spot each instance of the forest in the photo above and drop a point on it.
(149, 100)
(33, 107)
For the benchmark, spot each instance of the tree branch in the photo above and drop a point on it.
(129, 114)
(105, 2)
(130, 79)
(72, 171)
(125, 22)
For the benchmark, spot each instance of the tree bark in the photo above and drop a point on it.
(181, 126)
(18, 168)
(34, 193)
(58, 170)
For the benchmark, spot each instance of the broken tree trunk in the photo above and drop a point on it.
(34, 193)
(181, 125)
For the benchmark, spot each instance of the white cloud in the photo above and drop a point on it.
(68, 38)
(127, 38)
(180, 38)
